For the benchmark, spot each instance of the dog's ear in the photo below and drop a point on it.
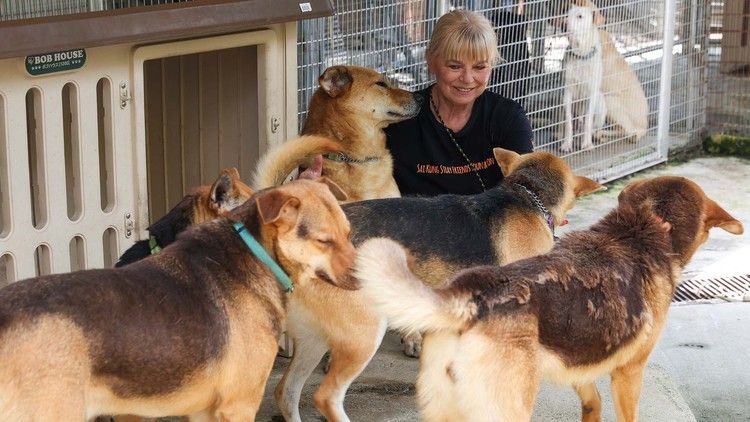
(337, 192)
(315, 170)
(335, 80)
(223, 186)
(584, 185)
(625, 192)
(715, 216)
(279, 208)
(597, 17)
(226, 192)
(505, 159)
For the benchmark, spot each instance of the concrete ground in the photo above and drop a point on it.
(698, 370)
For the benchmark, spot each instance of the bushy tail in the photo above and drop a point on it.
(407, 303)
(277, 163)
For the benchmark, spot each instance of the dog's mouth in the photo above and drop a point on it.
(348, 282)
(402, 116)
(321, 274)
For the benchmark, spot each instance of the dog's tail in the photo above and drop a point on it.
(280, 161)
(408, 304)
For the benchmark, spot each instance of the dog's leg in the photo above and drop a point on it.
(591, 402)
(436, 379)
(627, 381)
(624, 126)
(567, 144)
(412, 344)
(496, 376)
(588, 122)
(349, 356)
(204, 416)
(308, 349)
(600, 116)
(506, 367)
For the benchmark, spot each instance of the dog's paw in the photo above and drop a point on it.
(412, 344)
(566, 146)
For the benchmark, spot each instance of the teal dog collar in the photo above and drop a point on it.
(260, 252)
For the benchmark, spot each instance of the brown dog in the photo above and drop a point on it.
(190, 330)
(345, 121)
(594, 305)
(202, 204)
(511, 221)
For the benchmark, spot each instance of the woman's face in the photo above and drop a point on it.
(461, 81)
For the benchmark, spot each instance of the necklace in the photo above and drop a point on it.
(461, 150)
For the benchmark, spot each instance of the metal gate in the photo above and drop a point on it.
(66, 179)
(391, 36)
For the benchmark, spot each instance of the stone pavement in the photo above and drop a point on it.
(698, 370)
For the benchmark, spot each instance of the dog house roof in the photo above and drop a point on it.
(150, 24)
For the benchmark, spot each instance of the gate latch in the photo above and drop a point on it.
(124, 94)
(129, 224)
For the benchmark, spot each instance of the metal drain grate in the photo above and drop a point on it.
(726, 288)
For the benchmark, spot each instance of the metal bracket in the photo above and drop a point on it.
(275, 122)
(129, 224)
(124, 94)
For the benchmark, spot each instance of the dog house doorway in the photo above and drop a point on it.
(206, 104)
(201, 116)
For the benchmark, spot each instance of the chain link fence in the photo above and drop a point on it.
(704, 84)
(391, 36)
(728, 60)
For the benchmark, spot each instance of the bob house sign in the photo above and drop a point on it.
(59, 61)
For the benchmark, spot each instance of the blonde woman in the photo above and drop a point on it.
(447, 147)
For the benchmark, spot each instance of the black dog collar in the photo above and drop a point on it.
(586, 56)
(340, 157)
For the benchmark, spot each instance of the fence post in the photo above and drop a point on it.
(693, 64)
(665, 87)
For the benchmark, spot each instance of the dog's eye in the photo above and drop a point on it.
(324, 242)
(381, 83)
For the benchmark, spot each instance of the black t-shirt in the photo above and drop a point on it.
(426, 162)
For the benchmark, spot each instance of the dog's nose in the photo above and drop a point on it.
(418, 98)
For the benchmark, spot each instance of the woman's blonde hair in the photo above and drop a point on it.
(460, 35)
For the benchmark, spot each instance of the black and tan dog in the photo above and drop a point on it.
(514, 220)
(345, 121)
(594, 305)
(202, 204)
(190, 330)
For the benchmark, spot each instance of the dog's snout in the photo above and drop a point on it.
(419, 99)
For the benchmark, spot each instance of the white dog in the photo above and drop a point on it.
(583, 71)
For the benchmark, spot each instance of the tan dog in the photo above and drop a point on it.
(594, 305)
(511, 221)
(624, 99)
(190, 330)
(347, 115)
(582, 67)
